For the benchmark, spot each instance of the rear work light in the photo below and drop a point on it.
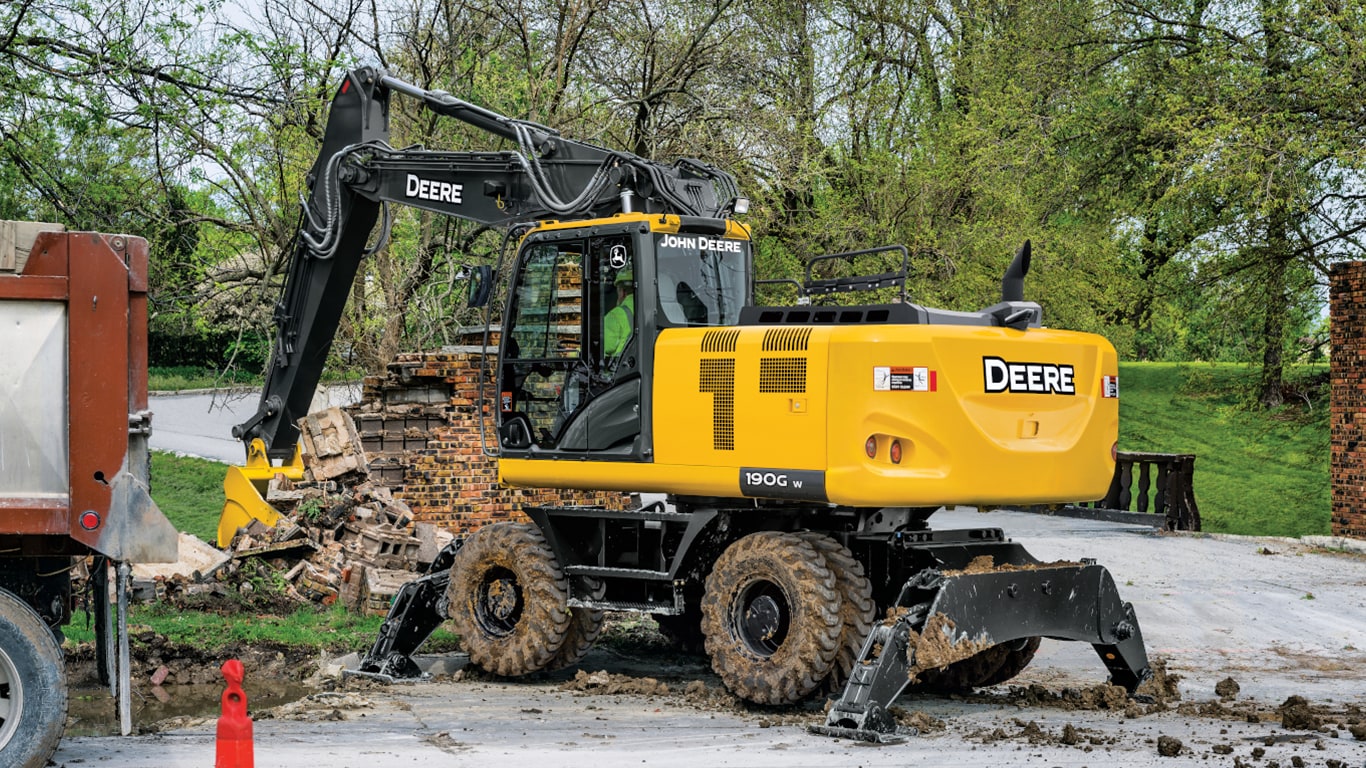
(896, 452)
(870, 447)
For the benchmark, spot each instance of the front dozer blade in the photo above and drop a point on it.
(944, 617)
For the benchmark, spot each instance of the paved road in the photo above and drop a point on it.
(200, 423)
(1213, 606)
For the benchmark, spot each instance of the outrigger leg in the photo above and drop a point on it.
(943, 617)
(418, 609)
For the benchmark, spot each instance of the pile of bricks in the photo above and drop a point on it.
(1348, 410)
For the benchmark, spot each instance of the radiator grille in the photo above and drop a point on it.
(782, 374)
(786, 339)
(717, 377)
(720, 341)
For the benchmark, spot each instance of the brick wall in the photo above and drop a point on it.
(420, 429)
(1348, 328)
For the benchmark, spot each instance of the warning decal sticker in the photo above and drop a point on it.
(1109, 386)
(904, 379)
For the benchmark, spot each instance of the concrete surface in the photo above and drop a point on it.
(1279, 617)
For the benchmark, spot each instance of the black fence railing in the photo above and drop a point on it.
(1153, 484)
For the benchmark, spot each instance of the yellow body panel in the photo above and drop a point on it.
(730, 400)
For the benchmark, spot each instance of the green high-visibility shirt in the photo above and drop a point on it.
(616, 327)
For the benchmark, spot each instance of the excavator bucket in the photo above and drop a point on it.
(943, 617)
(245, 487)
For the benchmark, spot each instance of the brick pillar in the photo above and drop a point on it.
(420, 426)
(1347, 300)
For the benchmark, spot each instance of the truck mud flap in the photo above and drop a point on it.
(944, 617)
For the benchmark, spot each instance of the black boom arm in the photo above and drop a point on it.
(358, 173)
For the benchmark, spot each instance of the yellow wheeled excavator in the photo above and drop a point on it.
(802, 449)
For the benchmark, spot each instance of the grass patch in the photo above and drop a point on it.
(190, 492)
(1259, 472)
(332, 629)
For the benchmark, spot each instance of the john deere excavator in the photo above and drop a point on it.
(802, 449)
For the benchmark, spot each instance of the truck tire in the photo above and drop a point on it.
(508, 600)
(1017, 656)
(857, 608)
(32, 686)
(584, 627)
(771, 616)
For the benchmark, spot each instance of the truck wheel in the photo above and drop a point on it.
(584, 627)
(508, 600)
(857, 608)
(771, 616)
(32, 686)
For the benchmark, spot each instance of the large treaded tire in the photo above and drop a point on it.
(584, 627)
(33, 694)
(508, 600)
(857, 608)
(771, 616)
(993, 666)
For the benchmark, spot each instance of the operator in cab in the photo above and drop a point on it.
(616, 327)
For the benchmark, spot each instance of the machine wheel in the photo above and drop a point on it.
(996, 664)
(584, 627)
(771, 616)
(1017, 657)
(508, 599)
(32, 686)
(857, 608)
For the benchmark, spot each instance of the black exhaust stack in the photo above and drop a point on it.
(1012, 285)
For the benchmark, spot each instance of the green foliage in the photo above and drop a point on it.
(1256, 472)
(189, 492)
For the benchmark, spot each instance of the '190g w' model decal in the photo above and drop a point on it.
(803, 484)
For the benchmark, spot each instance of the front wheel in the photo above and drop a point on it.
(772, 618)
(508, 600)
(32, 686)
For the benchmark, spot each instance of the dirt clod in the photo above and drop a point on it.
(1227, 688)
(1169, 746)
(1358, 731)
(603, 682)
(1297, 716)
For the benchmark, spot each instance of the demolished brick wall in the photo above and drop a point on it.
(419, 425)
(1348, 410)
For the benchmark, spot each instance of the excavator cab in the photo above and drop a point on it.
(585, 307)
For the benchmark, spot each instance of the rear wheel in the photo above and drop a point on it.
(857, 608)
(771, 617)
(993, 666)
(508, 600)
(584, 627)
(32, 686)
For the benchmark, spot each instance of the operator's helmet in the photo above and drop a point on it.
(624, 276)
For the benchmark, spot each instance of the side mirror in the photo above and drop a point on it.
(481, 285)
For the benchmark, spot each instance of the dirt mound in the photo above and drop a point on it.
(606, 683)
(153, 656)
(1030, 731)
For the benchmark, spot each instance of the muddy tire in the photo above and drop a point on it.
(32, 686)
(771, 617)
(857, 608)
(1017, 656)
(584, 627)
(995, 665)
(508, 600)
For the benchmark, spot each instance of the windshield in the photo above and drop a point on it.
(702, 279)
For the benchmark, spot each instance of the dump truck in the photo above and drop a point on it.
(74, 467)
(802, 450)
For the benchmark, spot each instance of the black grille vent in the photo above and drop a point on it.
(720, 341)
(786, 339)
(782, 374)
(717, 377)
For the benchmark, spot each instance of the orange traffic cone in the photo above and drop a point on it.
(234, 727)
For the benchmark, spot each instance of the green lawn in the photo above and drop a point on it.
(1256, 472)
(189, 492)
